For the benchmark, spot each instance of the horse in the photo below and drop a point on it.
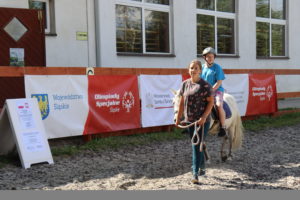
(235, 130)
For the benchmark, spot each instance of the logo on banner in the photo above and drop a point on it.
(128, 101)
(158, 101)
(149, 100)
(43, 104)
(269, 92)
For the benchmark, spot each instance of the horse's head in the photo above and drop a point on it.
(176, 101)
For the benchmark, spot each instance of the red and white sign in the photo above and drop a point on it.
(114, 104)
(262, 94)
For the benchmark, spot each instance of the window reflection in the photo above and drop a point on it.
(262, 39)
(278, 38)
(205, 32)
(163, 2)
(206, 4)
(226, 6)
(262, 8)
(157, 31)
(278, 9)
(225, 36)
(129, 29)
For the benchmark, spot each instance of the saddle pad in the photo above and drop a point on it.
(215, 114)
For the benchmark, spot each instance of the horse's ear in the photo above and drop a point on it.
(173, 91)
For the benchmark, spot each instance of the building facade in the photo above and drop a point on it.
(247, 34)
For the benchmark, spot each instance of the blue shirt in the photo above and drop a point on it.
(213, 74)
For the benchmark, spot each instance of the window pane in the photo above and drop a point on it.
(206, 4)
(278, 9)
(226, 6)
(164, 2)
(262, 8)
(129, 29)
(278, 40)
(40, 6)
(157, 31)
(225, 36)
(205, 32)
(262, 39)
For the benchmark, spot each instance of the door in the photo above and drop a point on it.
(22, 37)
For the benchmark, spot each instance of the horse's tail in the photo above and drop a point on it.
(237, 126)
(238, 136)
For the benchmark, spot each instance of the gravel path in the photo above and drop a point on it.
(269, 159)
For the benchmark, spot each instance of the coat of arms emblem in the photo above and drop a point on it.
(43, 104)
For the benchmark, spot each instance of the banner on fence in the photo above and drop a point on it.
(237, 85)
(114, 104)
(254, 93)
(156, 97)
(262, 94)
(79, 104)
(63, 101)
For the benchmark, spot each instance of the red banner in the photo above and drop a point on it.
(262, 94)
(185, 76)
(114, 104)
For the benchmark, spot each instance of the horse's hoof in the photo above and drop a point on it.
(224, 158)
(208, 161)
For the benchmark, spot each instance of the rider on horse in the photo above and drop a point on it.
(213, 74)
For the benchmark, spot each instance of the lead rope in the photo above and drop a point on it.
(196, 134)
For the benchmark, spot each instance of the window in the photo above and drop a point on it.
(142, 26)
(270, 28)
(216, 26)
(47, 7)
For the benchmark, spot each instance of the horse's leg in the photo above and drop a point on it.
(206, 155)
(223, 154)
(230, 137)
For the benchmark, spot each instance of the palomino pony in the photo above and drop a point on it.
(233, 139)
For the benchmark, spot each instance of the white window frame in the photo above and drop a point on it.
(226, 15)
(271, 21)
(153, 7)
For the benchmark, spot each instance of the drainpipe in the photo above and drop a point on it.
(97, 32)
(91, 42)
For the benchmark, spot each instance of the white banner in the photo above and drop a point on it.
(63, 101)
(156, 96)
(238, 86)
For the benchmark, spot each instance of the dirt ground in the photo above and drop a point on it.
(268, 159)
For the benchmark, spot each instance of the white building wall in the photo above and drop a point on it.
(184, 31)
(71, 16)
(64, 50)
(14, 3)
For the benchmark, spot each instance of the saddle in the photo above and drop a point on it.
(215, 113)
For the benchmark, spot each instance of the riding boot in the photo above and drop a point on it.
(222, 132)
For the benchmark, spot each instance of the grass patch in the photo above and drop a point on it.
(258, 124)
(265, 122)
(118, 142)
